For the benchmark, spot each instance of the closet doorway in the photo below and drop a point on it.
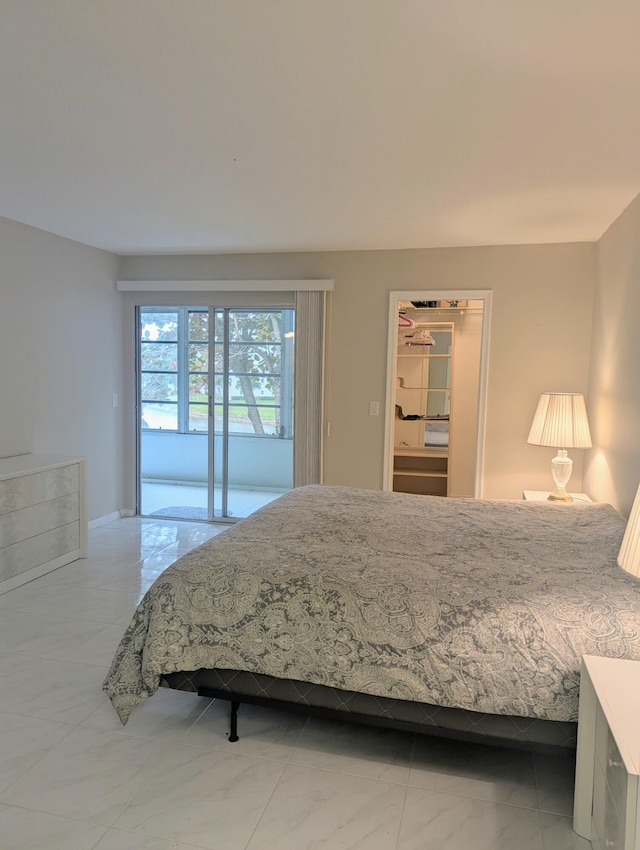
(215, 410)
(438, 342)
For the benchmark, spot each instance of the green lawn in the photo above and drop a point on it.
(237, 410)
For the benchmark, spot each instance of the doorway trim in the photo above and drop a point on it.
(484, 295)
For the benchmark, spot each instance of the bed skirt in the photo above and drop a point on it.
(239, 686)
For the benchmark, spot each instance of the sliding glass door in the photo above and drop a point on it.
(215, 403)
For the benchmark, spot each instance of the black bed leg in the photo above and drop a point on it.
(233, 728)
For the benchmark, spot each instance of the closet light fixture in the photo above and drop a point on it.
(561, 421)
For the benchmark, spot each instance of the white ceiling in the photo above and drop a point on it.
(296, 125)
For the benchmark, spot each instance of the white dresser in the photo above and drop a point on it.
(43, 515)
(606, 804)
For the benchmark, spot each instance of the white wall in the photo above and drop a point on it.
(540, 340)
(62, 343)
(253, 461)
(61, 356)
(613, 466)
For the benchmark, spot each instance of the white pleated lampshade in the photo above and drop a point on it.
(561, 421)
(629, 554)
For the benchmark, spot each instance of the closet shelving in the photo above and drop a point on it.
(423, 407)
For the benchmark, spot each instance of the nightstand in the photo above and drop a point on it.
(543, 496)
(606, 804)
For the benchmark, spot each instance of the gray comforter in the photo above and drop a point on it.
(475, 604)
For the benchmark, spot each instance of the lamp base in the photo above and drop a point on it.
(560, 495)
(561, 467)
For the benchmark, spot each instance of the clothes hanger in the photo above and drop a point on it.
(420, 337)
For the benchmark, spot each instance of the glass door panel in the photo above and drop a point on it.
(253, 405)
(219, 402)
(173, 412)
(198, 365)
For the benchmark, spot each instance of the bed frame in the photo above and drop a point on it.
(319, 700)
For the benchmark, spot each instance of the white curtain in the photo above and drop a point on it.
(307, 412)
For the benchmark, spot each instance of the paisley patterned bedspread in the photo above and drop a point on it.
(467, 603)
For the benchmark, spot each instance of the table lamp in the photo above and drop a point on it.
(629, 554)
(560, 421)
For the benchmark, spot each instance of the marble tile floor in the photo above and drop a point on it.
(73, 778)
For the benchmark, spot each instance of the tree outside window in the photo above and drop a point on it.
(174, 365)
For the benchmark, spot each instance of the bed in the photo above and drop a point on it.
(451, 616)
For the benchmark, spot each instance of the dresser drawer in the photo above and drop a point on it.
(610, 788)
(617, 779)
(23, 491)
(608, 830)
(599, 813)
(36, 519)
(30, 553)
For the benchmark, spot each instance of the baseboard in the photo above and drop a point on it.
(105, 520)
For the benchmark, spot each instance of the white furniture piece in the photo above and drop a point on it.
(543, 496)
(606, 805)
(43, 515)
